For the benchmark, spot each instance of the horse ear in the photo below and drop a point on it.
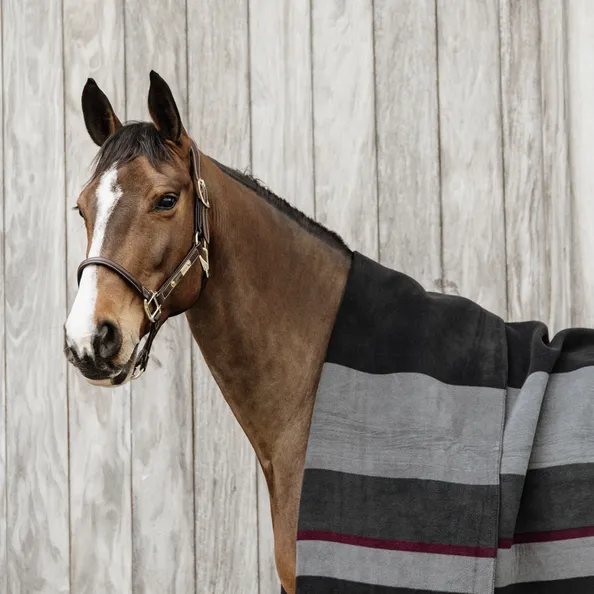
(100, 118)
(163, 109)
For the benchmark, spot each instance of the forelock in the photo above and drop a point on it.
(135, 139)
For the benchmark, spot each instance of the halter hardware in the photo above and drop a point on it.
(155, 314)
(153, 301)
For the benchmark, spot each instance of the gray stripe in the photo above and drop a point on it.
(376, 425)
(443, 573)
(522, 412)
(565, 433)
(400, 509)
(542, 561)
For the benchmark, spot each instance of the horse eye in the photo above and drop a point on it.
(82, 216)
(167, 202)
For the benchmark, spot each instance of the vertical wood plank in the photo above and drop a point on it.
(527, 267)
(408, 138)
(225, 479)
(471, 166)
(344, 121)
(3, 489)
(555, 138)
(37, 454)
(282, 155)
(162, 463)
(100, 511)
(580, 47)
(281, 101)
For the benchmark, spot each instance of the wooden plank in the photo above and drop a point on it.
(408, 138)
(344, 121)
(100, 510)
(528, 273)
(471, 167)
(37, 429)
(162, 478)
(281, 101)
(580, 45)
(282, 155)
(555, 135)
(225, 479)
(3, 468)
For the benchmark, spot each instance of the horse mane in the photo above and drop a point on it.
(136, 139)
(309, 224)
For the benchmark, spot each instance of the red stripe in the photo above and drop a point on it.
(551, 536)
(397, 545)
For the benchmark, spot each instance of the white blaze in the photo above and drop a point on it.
(80, 325)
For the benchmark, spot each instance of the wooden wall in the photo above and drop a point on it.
(453, 140)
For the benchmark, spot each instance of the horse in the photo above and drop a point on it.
(410, 441)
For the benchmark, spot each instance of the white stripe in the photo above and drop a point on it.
(405, 425)
(422, 571)
(545, 561)
(80, 326)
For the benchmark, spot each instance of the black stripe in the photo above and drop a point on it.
(529, 350)
(388, 323)
(584, 585)
(413, 510)
(512, 486)
(324, 585)
(556, 498)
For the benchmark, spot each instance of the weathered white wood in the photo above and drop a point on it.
(527, 270)
(225, 467)
(3, 490)
(555, 134)
(580, 47)
(100, 510)
(408, 138)
(282, 155)
(281, 101)
(344, 121)
(37, 430)
(162, 463)
(471, 167)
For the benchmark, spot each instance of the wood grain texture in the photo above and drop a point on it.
(471, 167)
(37, 443)
(225, 466)
(408, 138)
(100, 510)
(281, 99)
(162, 463)
(3, 489)
(344, 121)
(580, 47)
(527, 270)
(282, 155)
(555, 139)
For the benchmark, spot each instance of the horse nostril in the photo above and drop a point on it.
(108, 340)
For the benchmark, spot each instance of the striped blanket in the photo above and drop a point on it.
(449, 451)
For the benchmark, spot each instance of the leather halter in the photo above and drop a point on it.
(154, 300)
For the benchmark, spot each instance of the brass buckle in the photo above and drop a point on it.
(204, 261)
(138, 371)
(154, 315)
(202, 193)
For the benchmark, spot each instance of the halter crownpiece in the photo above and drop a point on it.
(154, 300)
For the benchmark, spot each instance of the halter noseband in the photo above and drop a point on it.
(154, 300)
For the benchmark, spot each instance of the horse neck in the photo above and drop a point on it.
(264, 320)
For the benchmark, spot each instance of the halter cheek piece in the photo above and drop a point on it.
(154, 300)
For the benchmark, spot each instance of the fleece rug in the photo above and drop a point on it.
(449, 451)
